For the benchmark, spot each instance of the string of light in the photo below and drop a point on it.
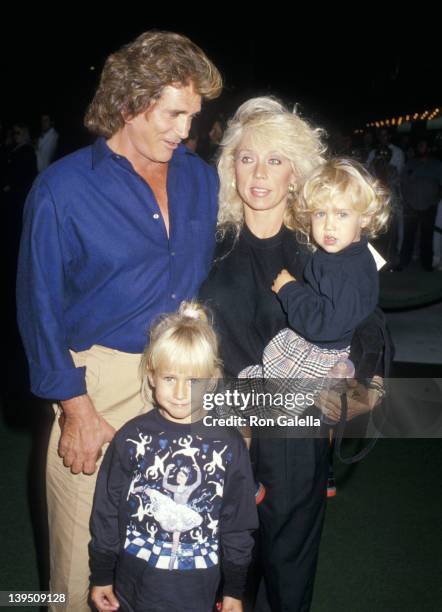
(427, 115)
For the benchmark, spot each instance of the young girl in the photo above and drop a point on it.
(171, 498)
(339, 207)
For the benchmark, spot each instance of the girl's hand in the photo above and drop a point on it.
(230, 604)
(104, 598)
(282, 279)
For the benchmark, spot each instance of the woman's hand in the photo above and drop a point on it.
(104, 598)
(360, 400)
(230, 604)
(282, 279)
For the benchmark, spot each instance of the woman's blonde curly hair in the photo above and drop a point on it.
(266, 120)
(137, 74)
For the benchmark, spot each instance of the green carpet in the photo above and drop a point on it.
(381, 545)
(18, 561)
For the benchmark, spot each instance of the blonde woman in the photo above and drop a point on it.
(267, 153)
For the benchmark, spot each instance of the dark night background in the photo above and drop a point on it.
(379, 551)
(341, 78)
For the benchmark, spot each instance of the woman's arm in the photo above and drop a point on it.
(371, 351)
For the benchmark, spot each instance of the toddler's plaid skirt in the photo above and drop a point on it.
(289, 356)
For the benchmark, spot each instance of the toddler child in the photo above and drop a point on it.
(340, 206)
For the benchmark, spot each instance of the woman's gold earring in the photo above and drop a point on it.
(291, 189)
(233, 184)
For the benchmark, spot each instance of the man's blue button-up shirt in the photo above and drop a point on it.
(96, 265)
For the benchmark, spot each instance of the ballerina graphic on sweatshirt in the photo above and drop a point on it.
(174, 515)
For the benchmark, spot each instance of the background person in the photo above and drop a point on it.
(421, 190)
(47, 143)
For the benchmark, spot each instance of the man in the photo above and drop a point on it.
(421, 190)
(397, 155)
(114, 235)
(47, 143)
(397, 161)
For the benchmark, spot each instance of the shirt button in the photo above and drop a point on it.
(173, 253)
(156, 216)
(173, 296)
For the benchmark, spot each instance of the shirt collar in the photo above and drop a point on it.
(180, 152)
(101, 151)
(183, 150)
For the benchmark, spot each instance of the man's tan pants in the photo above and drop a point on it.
(113, 383)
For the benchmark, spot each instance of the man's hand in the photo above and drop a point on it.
(230, 604)
(282, 279)
(360, 400)
(83, 434)
(104, 598)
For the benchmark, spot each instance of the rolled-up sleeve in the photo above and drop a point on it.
(40, 300)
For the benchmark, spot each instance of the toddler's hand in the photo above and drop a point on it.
(230, 604)
(282, 279)
(104, 598)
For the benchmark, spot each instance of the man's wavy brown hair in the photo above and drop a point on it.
(135, 75)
